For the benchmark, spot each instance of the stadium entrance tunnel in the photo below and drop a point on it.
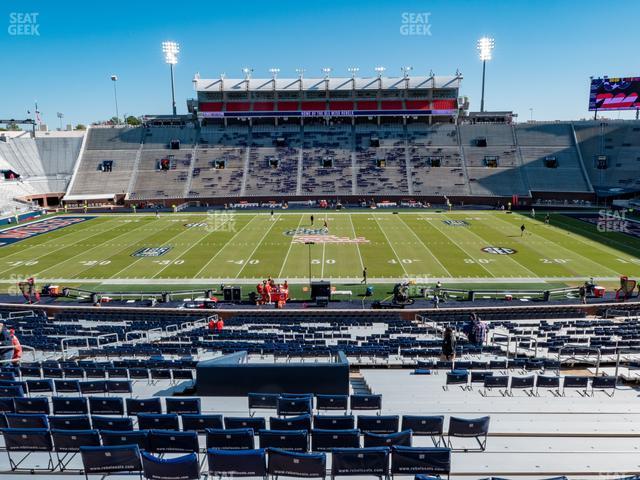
(238, 374)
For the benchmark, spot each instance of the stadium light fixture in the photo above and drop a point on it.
(406, 70)
(379, 70)
(274, 73)
(327, 71)
(353, 71)
(300, 72)
(114, 79)
(171, 50)
(60, 116)
(485, 48)
(246, 71)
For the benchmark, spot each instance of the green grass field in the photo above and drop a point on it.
(247, 247)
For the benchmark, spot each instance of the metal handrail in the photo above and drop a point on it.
(107, 335)
(581, 347)
(68, 339)
(24, 347)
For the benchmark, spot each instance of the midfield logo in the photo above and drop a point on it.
(455, 223)
(306, 231)
(151, 252)
(499, 250)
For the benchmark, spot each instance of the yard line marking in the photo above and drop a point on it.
(49, 252)
(225, 245)
(557, 245)
(508, 257)
(357, 245)
(171, 262)
(289, 250)
(324, 246)
(84, 251)
(423, 244)
(390, 245)
(459, 246)
(257, 246)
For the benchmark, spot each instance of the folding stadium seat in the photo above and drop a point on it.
(32, 405)
(301, 422)
(477, 428)
(334, 422)
(182, 374)
(457, 377)
(139, 374)
(160, 421)
(182, 405)
(52, 372)
(230, 439)
(257, 423)
(167, 441)
(69, 405)
(106, 405)
(185, 467)
(378, 423)
(143, 405)
(28, 440)
(240, 463)
(432, 426)
(111, 459)
(604, 384)
(66, 386)
(290, 405)
(6, 405)
(549, 382)
(292, 440)
(326, 440)
(478, 377)
(526, 384)
(366, 402)
(69, 422)
(30, 371)
(200, 422)
(92, 387)
(112, 423)
(117, 373)
(160, 374)
(262, 401)
(360, 462)
(125, 437)
(420, 460)
(403, 438)
(291, 464)
(27, 420)
(499, 382)
(68, 442)
(40, 386)
(95, 372)
(73, 372)
(332, 402)
(119, 386)
(15, 391)
(578, 383)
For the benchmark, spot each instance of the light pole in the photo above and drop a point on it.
(171, 50)
(60, 117)
(114, 79)
(309, 243)
(485, 47)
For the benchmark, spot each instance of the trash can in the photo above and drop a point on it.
(369, 291)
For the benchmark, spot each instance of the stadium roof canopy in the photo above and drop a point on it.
(320, 84)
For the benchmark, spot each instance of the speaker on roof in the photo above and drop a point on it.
(175, 145)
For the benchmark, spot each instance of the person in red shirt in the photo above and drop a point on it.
(268, 289)
(17, 347)
(212, 325)
(219, 325)
(260, 291)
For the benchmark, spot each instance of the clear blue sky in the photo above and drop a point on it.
(545, 49)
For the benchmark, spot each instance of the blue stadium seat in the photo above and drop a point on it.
(185, 467)
(68, 442)
(327, 440)
(292, 440)
(360, 462)
(366, 402)
(28, 440)
(111, 423)
(182, 405)
(292, 464)
(230, 439)
(27, 420)
(169, 441)
(425, 425)
(257, 423)
(106, 405)
(301, 422)
(403, 438)
(240, 463)
(32, 405)
(111, 459)
(200, 422)
(420, 460)
(378, 423)
(69, 405)
(477, 428)
(332, 402)
(334, 422)
(158, 421)
(125, 437)
(69, 422)
(143, 405)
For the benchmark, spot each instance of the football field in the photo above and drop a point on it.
(481, 247)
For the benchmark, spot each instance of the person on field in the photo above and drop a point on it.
(364, 276)
(522, 229)
(582, 291)
(546, 219)
(311, 220)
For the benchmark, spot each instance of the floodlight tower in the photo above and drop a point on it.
(171, 50)
(485, 47)
(114, 79)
